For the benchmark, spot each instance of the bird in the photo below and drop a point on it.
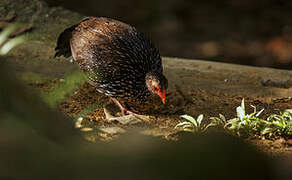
(118, 60)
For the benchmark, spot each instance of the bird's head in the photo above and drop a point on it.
(157, 84)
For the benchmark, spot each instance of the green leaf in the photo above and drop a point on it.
(11, 44)
(259, 112)
(182, 124)
(188, 126)
(222, 118)
(242, 105)
(288, 114)
(210, 125)
(232, 122)
(266, 131)
(254, 110)
(189, 130)
(240, 113)
(5, 44)
(199, 119)
(288, 110)
(5, 33)
(191, 119)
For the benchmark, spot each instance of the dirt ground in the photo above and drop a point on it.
(192, 100)
(195, 87)
(163, 124)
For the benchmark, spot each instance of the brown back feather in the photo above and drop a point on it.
(63, 43)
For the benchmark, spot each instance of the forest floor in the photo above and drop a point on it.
(195, 87)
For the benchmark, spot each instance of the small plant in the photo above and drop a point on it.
(245, 124)
(7, 44)
(280, 125)
(192, 124)
(218, 121)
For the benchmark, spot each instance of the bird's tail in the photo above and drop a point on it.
(63, 43)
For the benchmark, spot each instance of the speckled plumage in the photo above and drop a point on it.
(115, 56)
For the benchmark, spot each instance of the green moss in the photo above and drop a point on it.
(64, 88)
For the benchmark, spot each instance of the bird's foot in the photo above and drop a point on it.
(125, 116)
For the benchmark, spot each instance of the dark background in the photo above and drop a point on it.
(253, 32)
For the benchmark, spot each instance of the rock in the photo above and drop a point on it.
(126, 120)
(86, 129)
(164, 132)
(78, 123)
(113, 130)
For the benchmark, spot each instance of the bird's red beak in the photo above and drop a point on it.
(162, 96)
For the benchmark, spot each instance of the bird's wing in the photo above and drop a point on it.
(63, 43)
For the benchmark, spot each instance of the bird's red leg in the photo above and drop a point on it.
(123, 110)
